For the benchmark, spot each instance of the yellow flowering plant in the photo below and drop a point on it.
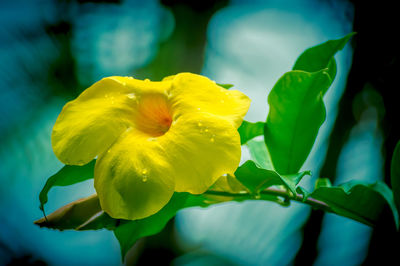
(154, 148)
(151, 139)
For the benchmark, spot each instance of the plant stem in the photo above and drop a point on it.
(276, 192)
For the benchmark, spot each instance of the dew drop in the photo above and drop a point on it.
(168, 93)
(131, 96)
(144, 175)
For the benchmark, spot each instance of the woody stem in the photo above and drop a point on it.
(276, 192)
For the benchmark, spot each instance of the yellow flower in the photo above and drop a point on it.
(151, 139)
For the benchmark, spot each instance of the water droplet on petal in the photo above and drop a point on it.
(131, 96)
(144, 175)
(168, 93)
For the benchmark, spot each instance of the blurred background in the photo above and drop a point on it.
(51, 50)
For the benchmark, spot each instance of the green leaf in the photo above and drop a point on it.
(259, 153)
(257, 179)
(249, 130)
(302, 191)
(225, 86)
(294, 179)
(322, 56)
(323, 182)
(128, 232)
(82, 214)
(395, 175)
(68, 175)
(296, 113)
(358, 201)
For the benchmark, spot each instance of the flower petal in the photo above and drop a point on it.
(201, 148)
(88, 125)
(133, 179)
(195, 93)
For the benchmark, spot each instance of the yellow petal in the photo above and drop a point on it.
(194, 93)
(201, 147)
(228, 183)
(88, 125)
(141, 87)
(133, 179)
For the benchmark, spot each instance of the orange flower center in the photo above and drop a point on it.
(154, 115)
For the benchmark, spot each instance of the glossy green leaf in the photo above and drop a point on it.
(296, 113)
(358, 201)
(225, 86)
(395, 175)
(259, 153)
(82, 214)
(323, 182)
(249, 130)
(256, 178)
(322, 56)
(68, 175)
(128, 232)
